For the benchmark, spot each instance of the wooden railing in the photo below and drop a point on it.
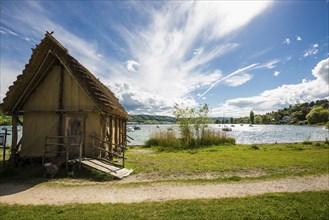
(110, 152)
(60, 151)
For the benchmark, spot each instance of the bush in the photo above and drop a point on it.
(307, 142)
(167, 140)
(255, 147)
(163, 138)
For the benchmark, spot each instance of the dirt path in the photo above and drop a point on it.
(43, 194)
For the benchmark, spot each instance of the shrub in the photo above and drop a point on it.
(163, 138)
(307, 142)
(167, 140)
(255, 147)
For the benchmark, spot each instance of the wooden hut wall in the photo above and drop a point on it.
(40, 119)
(77, 103)
(74, 97)
(37, 125)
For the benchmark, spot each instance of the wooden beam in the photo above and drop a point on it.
(111, 133)
(124, 133)
(62, 111)
(116, 127)
(103, 133)
(14, 137)
(60, 101)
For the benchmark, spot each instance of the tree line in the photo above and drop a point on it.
(315, 112)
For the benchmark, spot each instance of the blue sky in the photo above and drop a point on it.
(237, 56)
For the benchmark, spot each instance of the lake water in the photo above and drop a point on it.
(243, 134)
(258, 134)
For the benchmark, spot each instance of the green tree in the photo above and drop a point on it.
(258, 119)
(185, 118)
(264, 119)
(317, 115)
(252, 117)
(201, 120)
(190, 120)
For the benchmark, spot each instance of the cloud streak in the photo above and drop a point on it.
(241, 70)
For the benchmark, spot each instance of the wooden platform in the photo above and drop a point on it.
(106, 167)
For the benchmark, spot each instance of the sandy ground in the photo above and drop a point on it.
(19, 193)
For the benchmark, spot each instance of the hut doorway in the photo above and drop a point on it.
(74, 129)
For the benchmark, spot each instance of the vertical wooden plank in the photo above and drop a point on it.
(103, 134)
(111, 135)
(60, 107)
(14, 137)
(4, 149)
(116, 133)
(120, 131)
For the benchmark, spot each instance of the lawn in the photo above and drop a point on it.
(222, 163)
(269, 159)
(306, 205)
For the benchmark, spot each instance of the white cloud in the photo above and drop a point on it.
(132, 65)
(9, 70)
(312, 51)
(138, 101)
(286, 41)
(298, 38)
(270, 65)
(174, 49)
(238, 80)
(269, 100)
(169, 52)
(321, 71)
(276, 73)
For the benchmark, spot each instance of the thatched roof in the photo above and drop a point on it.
(49, 51)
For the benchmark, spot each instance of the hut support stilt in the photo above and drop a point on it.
(14, 149)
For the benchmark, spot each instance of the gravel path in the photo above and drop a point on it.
(42, 194)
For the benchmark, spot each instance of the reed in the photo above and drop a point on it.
(168, 140)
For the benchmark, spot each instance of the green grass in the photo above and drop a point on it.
(275, 159)
(7, 153)
(305, 205)
(227, 163)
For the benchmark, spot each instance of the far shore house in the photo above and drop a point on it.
(61, 101)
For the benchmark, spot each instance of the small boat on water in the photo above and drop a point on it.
(225, 128)
(137, 128)
(232, 126)
(130, 129)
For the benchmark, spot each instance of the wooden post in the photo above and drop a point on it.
(111, 137)
(103, 135)
(116, 134)
(4, 149)
(60, 106)
(80, 151)
(120, 132)
(13, 154)
(67, 151)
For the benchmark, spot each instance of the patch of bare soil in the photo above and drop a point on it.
(44, 194)
(151, 177)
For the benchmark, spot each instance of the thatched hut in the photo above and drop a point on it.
(59, 98)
